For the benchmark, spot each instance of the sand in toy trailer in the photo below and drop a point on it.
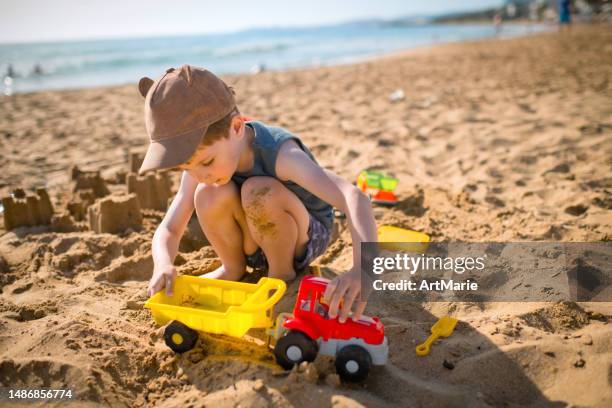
(218, 306)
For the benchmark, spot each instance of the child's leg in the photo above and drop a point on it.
(278, 222)
(223, 221)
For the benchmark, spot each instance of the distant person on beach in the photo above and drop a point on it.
(565, 15)
(259, 195)
(497, 22)
(37, 70)
(10, 71)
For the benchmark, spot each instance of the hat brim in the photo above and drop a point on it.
(171, 152)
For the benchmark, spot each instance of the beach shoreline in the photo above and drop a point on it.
(491, 140)
(240, 56)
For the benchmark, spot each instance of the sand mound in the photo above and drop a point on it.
(562, 316)
(134, 268)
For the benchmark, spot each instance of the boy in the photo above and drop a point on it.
(260, 197)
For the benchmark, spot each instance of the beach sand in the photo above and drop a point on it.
(499, 140)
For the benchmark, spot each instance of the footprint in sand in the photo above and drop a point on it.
(499, 142)
(604, 202)
(319, 148)
(559, 168)
(491, 199)
(493, 172)
(577, 209)
(521, 182)
(591, 129)
(22, 288)
(528, 159)
(601, 183)
(385, 142)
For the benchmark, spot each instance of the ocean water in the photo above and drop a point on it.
(79, 64)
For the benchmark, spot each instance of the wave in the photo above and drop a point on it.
(68, 64)
(250, 49)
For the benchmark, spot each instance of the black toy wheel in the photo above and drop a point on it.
(353, 363)
(179, 337)
(293, 348)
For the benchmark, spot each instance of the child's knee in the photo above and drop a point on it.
(257, 192)
(214, 199)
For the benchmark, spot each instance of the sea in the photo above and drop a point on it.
(92, 63)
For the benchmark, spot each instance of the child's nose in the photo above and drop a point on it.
(207, 176)
(209, 179)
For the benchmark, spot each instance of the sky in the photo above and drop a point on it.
(51, 20)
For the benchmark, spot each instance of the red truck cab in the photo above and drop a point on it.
(356, 344)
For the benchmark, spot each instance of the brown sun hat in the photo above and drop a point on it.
(179, 108)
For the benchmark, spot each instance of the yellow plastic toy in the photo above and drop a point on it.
(442, 328)
(214, 306)
(400, 239)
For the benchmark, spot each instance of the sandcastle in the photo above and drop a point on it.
(135, 161)
(115, 214)
(21, 210)
(88, 180)
(86, 187)
(153, 190)
(78, 204)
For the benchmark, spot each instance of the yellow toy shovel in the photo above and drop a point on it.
(442, 328)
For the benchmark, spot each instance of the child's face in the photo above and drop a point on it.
(216, 163)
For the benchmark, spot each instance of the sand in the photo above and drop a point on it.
(501, 140)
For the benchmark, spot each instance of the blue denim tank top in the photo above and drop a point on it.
(267, 143)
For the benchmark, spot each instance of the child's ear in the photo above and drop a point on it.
(144, 85)
(237, 123)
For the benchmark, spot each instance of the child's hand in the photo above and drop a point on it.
(163, 277)
(342, 293)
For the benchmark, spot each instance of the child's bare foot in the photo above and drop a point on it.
(221, 273)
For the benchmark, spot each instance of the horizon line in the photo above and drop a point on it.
(238, 31)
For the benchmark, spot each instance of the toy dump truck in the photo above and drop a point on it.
(355, 344)
(232, 308)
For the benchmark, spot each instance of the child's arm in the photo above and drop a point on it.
(168, 236)
(293, 164)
